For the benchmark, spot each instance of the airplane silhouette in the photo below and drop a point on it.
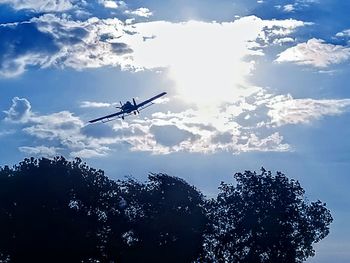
(129, 108)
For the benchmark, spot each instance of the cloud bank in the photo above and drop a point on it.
(315, 52)
(164, 133)
(210, 58)
(40, 5)
(248, 125)
(209, 66)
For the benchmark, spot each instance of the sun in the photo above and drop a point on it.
(207, 61)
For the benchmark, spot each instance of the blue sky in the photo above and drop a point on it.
(249, 83)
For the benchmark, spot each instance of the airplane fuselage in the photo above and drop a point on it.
(128, 107)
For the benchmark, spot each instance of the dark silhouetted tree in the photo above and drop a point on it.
(64, 211)
(167, 220)
(54, 211)
(61, 211)
(264, 218)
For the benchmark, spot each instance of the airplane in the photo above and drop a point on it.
(129, 108)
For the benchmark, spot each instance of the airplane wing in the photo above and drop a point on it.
(107, 116)
(144, 103)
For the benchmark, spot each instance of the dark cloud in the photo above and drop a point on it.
(201, 126)
(222, 137)
(106, 37)
(170, 135)
(22, 38)
(250, 118)
(242, 141)
(98, 131)
(131, 131)
(52, 40)
(21, 42)
(121, 48)
(67, 125)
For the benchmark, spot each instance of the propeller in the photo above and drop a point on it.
(121, 105)
(135, 105)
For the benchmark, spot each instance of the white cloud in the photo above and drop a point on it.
(344, 33)
(297, 5)
(263, 110)
(16, 66)
(20, 110)
(282, 41)
(315, 52)
(271, 111)
(288, 8)
(6, 132)
(65, 129)
(93, 104)
(40, 5)
(286, 110)
(89, 44)
(307, 2)
(273, 142)
(208, 58)
(113, 4)
(62, 128)
(109, 4)
(61, 125)
(188, 132)
(40, 150)
(209, 63)
(226, 129)
(142, 12)
(90, 153)
(282, 28)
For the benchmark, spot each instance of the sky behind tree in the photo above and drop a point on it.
(249, 83)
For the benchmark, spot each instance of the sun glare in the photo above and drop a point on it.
(207, 61)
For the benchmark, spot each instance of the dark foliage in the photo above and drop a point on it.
(264, 218)
(62, 211)
(166, 216)
(53, 210)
